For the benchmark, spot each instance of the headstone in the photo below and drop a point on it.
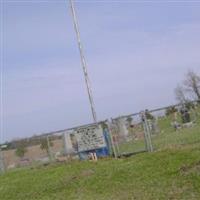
(68, 148)
(122, 124)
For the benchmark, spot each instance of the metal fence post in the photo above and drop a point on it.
(112, 142)
(147, 133)
(49, 149)
(65, 144)
(2, 166)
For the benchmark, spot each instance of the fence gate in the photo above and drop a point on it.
(130, 135)
(174, 125)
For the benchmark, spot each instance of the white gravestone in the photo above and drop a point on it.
(68, 148)
(123, 127)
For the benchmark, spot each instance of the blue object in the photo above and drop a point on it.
(101, 152)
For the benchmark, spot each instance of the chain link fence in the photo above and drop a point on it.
(27, 152)
(130, 135)
(156, 129)
(61, 146)
(152, 130)
(174, 126)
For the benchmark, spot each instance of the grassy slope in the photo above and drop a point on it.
(168, 174)
(173, 172)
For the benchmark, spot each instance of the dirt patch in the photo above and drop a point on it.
(194, 168)
(33, 154)
(83, 174)
(86, 173)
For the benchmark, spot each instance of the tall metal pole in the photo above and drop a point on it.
(83, 61)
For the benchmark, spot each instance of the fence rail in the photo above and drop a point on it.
(121, 136)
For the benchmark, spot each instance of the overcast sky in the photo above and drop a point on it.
(136, 52)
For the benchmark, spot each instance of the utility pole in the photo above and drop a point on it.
(83, 61)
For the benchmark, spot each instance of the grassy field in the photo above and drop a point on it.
(171, 172)
(166, 137)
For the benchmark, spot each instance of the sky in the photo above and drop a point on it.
(137, 52)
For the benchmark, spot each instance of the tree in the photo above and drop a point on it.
(192, 84)
(190, 88)
(149, 115)
(45, 144)
(171, 110)
(129, 120)
(180, 94)
(21, 149)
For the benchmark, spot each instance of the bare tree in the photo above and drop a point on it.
(192, 84)
(190, 88)
(180, 94)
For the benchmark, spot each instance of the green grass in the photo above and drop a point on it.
(168, 174)
(171, 172)
(166, 137)
(181, 137)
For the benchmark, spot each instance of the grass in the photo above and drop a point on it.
(168, 174)
(171, 172)
(166, 137)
